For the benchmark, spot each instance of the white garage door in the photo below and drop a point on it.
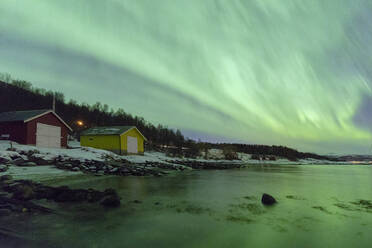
(48, 136)
(132, 144)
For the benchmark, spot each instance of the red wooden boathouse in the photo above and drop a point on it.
(43, 128)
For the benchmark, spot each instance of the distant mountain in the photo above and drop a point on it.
(354, 157)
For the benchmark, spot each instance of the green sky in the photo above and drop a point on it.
(293, 72)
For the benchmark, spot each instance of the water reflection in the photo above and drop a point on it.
(319, 206)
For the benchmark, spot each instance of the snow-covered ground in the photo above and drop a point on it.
(216, 156)
(79, 153)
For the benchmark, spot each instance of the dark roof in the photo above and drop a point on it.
(21, 115)
(112, 130)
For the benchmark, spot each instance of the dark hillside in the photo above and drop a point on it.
(20, 95)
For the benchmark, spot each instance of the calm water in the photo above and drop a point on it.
(216, 209)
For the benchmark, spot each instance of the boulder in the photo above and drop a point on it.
(6, 178)
(67, 165)
(3, 160)
(63, 194)
(75, 169)
(11, 187)
(64, 197)
(114, 163)
(27, 164)
(268, 200)
(18, 161)
(3, 168)
(44, 192)
(80, 195)
(24, 192)
(94, 196)
(111, 201)
(110, 191)
(5, 212)
(41, 161)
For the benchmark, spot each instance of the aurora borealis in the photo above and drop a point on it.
(295, 73)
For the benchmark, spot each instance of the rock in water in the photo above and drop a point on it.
(18, 161)
(24, 192)
(6, 178)
(111, 201)
(28, 164)
(268, 200)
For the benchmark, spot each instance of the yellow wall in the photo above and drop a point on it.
(115, 143)
(106, 142)
(134, 133)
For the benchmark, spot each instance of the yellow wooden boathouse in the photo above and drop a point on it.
(118, 139)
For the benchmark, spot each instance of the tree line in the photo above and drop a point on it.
(16, 95)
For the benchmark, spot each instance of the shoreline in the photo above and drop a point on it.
(62, 162)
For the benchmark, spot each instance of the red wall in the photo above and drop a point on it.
(17, 131)
(49, 119)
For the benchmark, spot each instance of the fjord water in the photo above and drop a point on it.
(316, 208)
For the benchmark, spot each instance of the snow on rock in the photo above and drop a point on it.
(148, 157)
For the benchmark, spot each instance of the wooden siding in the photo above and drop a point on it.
(133, 133)
(105, 142)
(16, 130)
(114, 143)
(49, 119)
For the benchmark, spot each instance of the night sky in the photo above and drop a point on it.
(295, 73)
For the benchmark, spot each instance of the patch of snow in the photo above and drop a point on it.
(148, 157)
(37, 172)
(82, 154)
(112, 129)
(74, 144)
(215, 154)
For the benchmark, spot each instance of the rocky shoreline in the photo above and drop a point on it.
(209, 165)
(110, 165)
(20, 196)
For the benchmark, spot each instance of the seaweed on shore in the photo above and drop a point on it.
(192, 209)
(254, 208)
(324, 210)
(186, 207)
(346, 207)
(280, 229)
(365, 204)
(239, 219)
(358, 205)
(250, 197)
(295, 197)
